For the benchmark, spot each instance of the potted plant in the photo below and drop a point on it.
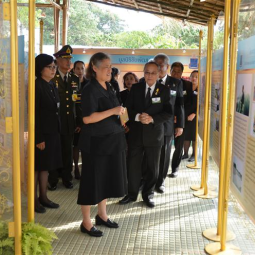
(36, 239)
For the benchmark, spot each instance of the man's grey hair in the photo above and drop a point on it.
(151, 63)
(162, 56)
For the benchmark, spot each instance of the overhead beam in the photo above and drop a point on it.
(192, 20)
(136, 5)
(160, 8)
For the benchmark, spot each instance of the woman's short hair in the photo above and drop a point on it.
(126, 75)
(115, 71)
(194, 71)
(95, 60)
(78, 62)
(177, 64)
(41, 61)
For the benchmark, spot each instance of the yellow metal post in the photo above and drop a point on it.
(15, 122)
(65, 22)
(222, 247)
(204, 192)
(195, 166)
(31, 111)
(230, 124)
(41, 36)
(56, 27)
(215, 233)
(205, 112)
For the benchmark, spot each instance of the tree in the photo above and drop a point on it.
(87, 25)
(132, 40)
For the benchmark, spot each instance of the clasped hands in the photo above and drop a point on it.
(145, 118)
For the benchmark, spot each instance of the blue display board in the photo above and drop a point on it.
(246, 54)
(133, 59)
(5, 48)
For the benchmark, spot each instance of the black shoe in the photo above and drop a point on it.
(92, 232)
(40, 209)
(68, 184)
(126, 200)
(150, 203)
(192, 158)
(160, 189)
(108, 223)
(52, 186)
(173, 175)
(184, 156)
(49, 204)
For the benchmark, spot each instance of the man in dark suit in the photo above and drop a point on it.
(176, 72)
(149, 108)
(171, 129)
(68, 85)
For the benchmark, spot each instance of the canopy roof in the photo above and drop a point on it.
(195, 11)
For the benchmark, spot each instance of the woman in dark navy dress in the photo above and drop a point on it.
(128, 80)
(190, 122)
(47, 129)
(102, 143)
(79, 70)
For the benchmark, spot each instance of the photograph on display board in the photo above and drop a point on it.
(243, 92)
(203, 88)
(217, 97)
(252, 124)
(237, 175)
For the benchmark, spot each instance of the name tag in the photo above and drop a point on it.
(156, 100)
(173, 92)
(195, 92)
(184, 92)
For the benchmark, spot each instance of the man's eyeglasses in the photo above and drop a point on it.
(52, 67)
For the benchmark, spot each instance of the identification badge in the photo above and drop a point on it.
(156, 100)
(173, 92)
(195, 92)
(184, 92)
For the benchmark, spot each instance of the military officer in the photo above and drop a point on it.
(68, 86)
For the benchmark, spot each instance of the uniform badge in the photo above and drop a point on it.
(57, 75)
(74, 84)
(56, 84)
(157, 92)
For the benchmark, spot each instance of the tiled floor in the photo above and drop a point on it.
(173, 227)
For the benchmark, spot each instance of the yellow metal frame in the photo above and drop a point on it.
(214, 234)
(15, 119)
(230, 119)
(222, 247)
(195, 165)
(204, 191)
(41, 34)
(31, 111)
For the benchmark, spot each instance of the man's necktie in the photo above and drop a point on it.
(160, 81)
(148, 98)
(65, 81)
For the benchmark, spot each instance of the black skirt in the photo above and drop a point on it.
(190, 130)
(103, 175)
(50, 158)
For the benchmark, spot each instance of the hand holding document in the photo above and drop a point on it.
(124, 117)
